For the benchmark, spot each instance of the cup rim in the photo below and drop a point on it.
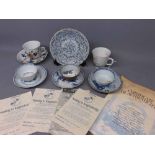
(28, 43)
(75, 67)
(97, 52)
(97, 72)
(99, 57)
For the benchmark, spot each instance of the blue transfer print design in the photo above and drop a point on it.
(115, 85)
(62, 82)
(69, 46)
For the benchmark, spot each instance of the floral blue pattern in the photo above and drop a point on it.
(69, 46)
(115, 85)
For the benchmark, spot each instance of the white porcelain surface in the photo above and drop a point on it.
(41, 76)
(31, 45)
(101, 52)
(27, 72)
(70, 71)
(101, 56)
(104, 76)
(69, 47)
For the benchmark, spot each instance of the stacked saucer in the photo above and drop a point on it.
(68, 76)
(104, 80)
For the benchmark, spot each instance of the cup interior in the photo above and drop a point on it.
(70, 71)
(101, 52)
(27, 72)
(30, 45)
(104, 76)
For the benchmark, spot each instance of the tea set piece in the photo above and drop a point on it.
(70, 71)
(27, 72)
(29, 75)
(101, 56)
(32, 52)
(104, 80)
(68, 77)
(104, 76)
(69, 46)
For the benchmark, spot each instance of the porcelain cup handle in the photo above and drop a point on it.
(110, 63)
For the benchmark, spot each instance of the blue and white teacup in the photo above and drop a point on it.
(27, 72)
(104, 76)
(70, 71)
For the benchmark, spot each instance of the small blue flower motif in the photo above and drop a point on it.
(69, 46)
(115, 85)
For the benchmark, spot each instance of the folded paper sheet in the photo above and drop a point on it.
(12, 112)
(38, 118)
(129, 111)
(80, 112)
(63, 98)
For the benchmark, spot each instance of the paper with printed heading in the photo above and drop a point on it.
(56, 129)
(128, 111)
(12, 112)
(44, 106)
(80, 112)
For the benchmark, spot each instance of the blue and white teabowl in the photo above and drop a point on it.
(60, 81)
(114, 85)
(41, 76)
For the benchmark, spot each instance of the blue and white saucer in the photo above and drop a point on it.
(62, 82)
(41, 76)
(109, 88)
(69, 47)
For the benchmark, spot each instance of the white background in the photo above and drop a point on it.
(77, 145)
(77, 9)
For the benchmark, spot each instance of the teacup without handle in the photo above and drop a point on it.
(70, 71)
(104, 76)
(27, 72)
